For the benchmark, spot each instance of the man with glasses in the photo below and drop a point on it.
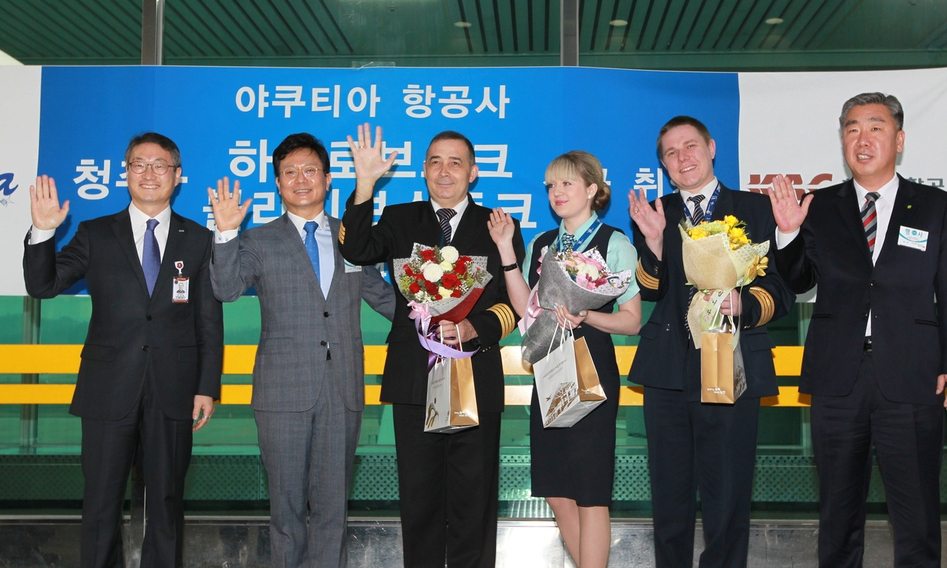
(151, 363)
(308, 388)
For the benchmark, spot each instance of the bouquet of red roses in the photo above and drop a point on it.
(440, 283)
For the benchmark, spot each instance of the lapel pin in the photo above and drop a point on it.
(909, 206)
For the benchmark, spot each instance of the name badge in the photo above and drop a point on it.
(912, 238)
(180, 285)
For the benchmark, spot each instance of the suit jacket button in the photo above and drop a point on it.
(322, 343)
(325, 314)
(148, 317)
(144, 348)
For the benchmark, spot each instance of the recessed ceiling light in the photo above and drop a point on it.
(774, 21)
(462, 24)
(618, 23)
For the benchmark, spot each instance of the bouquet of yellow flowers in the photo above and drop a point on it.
(719, 257)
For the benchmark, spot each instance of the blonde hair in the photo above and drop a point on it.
(579, 164)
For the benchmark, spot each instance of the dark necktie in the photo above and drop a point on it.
(444, 216)
(698, 215)
(312, 249)
(150, 256)
(870, 219)
(568, 242)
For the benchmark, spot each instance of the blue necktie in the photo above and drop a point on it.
(699, 215)
(311, 247)
(150, 256)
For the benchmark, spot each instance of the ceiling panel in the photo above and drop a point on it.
(712, 34)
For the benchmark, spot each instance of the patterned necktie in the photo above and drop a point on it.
(568, 242)
(870, 219)
(150, 256)
(444, 216)
(698, 211)
(312, 249)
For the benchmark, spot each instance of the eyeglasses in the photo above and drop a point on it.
(309, 172)
(159, 167)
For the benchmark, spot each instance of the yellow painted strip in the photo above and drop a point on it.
(238, 360)
(516, 395)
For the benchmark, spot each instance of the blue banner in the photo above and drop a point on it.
(227, 121)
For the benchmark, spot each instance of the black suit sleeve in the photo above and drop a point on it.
(651, 272)
(46, 273)
(360, 242)
(209, 326)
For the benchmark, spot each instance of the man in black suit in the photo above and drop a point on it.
(876, 350)
(448, 482)
(151, 363)
(695, 447)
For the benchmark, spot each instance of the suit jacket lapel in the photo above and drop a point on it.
(122, 227)
(296, 248)
(850, 220)
(337, 260)
(898, 213)
(177, 233)
(466, 229)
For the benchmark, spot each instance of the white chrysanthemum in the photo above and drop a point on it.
(590, 271)
(432, 272)
(445, 265)
(449, 254)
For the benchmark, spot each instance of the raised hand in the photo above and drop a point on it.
(370, 165)
(44, 204)
(650, 220)
(787, 210)
(228, 212)
(501, 227)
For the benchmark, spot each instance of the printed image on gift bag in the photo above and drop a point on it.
(451, 400)
(722, 374)
(567, 383)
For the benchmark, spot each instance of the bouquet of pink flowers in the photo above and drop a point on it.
(576, 280)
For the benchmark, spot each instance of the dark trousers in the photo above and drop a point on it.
(705, 448)
(108, 449)
(448, 486)
(908, 442)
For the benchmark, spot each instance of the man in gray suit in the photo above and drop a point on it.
(308, 392)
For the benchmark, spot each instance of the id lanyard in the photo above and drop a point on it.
(710, 206)
(579, 241)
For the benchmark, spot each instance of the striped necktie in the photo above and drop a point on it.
(870, 219)
(698, 215)
(443, 217)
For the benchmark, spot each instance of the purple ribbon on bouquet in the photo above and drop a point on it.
(429, 340)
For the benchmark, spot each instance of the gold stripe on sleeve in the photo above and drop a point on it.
(646, 280)
(506, 317)
(767, 305)
(341, 234)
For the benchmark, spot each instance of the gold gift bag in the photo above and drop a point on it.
(722, 375)
(451, 399)
(567, 383)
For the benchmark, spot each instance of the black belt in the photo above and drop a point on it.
(867, 345)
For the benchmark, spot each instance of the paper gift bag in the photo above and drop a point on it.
(722, 374)
(451, 400)
(567, 383)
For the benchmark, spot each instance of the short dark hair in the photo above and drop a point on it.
(453, 135)
(682, 120)
(890, 101)
(154, 138)
(300, 140)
